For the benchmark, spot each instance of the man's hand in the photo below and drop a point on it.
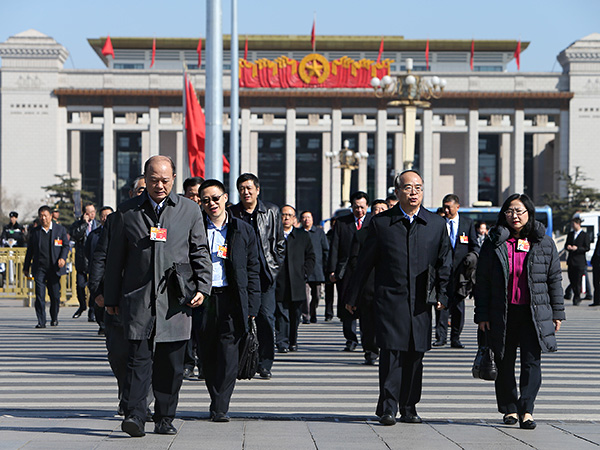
(100, 301)
(197, 300)
(439, 306)
(556, 325)
(61, 263)
(112, 310)
(483, 326)
(350, 308)
(332, 277)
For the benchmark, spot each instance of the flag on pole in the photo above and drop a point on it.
(108, 48)
(427, 55)
(199, 51)
(472, 52)
(153, 52)
(380, 52)
(246, 49)
(518, 55)
(195, 129)
(313, 36)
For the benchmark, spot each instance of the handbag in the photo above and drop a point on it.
(248, 358)
(180, 283)
(484, 366)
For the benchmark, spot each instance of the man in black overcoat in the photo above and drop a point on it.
(235, 296)
(150, 234)
(463, 240)
(577, 245)
(339, 252)
(409, 248)
(45, 259)
(290, 290)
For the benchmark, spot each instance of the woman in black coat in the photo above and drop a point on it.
(519, 303)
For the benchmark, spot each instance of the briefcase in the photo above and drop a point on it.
(180, 283)
(484, 366)
(248, 358)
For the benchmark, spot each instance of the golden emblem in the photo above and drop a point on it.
(314, 66)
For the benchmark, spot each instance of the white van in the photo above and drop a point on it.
(590, 223)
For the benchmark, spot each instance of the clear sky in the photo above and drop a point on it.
(550, 25)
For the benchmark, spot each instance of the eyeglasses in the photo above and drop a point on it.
(511, 212)
(287, 215)
(411, 187)
(214, 198)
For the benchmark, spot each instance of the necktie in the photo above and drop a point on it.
(157, 210)
(89, 227)
(358, 224)
(452, 234)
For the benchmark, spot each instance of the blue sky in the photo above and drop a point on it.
(550, 25)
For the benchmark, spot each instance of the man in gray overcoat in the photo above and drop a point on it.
(149, 234)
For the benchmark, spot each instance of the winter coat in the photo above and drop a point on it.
(545, 286)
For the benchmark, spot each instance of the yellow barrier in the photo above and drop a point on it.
(14, 283)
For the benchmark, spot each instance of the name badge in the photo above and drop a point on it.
(58, 242)
(464, 239)
(158, 234)
(523, 245)
(222, 251)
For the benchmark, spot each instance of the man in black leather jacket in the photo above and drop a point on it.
(266, 221)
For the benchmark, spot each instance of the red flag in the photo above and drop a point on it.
(472, 52)
(380, 52)
(246, 49)
(518, 55)
(199, 51)
(226, 166)
(313, 37)
(153, 51)
(195, 128)
(427, 55)
(108, 48)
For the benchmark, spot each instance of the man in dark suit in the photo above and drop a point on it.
(266, 222)
(317, 277)
(463, 238)
(409, 248)
(149, 235)
(596, 273)
(290, 290)
(577, 245)
(80, 230)
(48, 248)
(235, 296)
(339, 251)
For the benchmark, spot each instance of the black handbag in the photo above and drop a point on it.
(180, 283)
(248, 359)
(484, 366)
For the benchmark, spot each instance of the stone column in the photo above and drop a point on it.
(427, 156)
(180, 161)
(398, 152)
(109, 188)
(336, 144)
(433, 184)
(253, 153)
(75, 156)
(517, 154)
(145, 146)
(326, 177)
(363, 163)
(154, 137)
(381, 154)
(290, 156)
(245, 141)
(561, 154)
(472, 159)
(505, 164)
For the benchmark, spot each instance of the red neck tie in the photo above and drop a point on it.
(358, 224)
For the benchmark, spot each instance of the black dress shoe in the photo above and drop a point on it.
(313, 320)
(387, 419)
(77, 314)
(594, 304)
(165, 426)
(328, 319)
(220, 417)
(293, 348)
(54, 323)
(120, 410)
(264, 373)
(188, 373)
(527, 424)
(457, 345)
(509, 420)
(282, 350)
(576, 301)
(133, 426)
(350, 347)
(410, 418)
(305, 321)
(439, 343)
(39, 325)
(370, 362)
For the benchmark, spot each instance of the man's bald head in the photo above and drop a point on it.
(159, 172)
(159, 158)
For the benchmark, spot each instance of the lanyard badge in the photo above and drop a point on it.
(523, 245)
(158, 234)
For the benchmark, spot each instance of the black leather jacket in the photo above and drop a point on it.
(270, 230)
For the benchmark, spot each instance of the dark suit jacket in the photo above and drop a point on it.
(321, 248)
(466, 227)
(577, 258)
(596, 256)
(78, 234)
(403, 256)
(136, 267)
(297, 266)
(365, 296)
(242, 268)
(58, 249)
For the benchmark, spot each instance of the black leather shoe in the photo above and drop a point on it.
(39, 325)
(387, 419)
(220, 417)
(457, 345)
(313, 320)
(509, 420)
(165, 426)
(439, 343)
(576, 301)
(410, 418)
(293, 348)
(91, 319)
(594, 304)
(188, 373)
(527, 424)
(328, 319)
(133, 426)
(282, 350)
(350, 347)
(264, 373)
(370, 362)
(77, 314)
(120, 410)
(54, 323)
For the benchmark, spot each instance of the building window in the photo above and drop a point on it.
(309, 170)
(489, 150)
(487, 68)
(271, 167)
(127, 66)
(129, 162)
(92, 145)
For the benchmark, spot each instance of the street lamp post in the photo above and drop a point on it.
(410, 90)
(347, 160)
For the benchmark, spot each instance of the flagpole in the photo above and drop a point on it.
(214, 90)
(234, 136)
(186, 161)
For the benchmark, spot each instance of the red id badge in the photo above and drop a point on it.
(58, 242)
(464, 239)
(523, 245)
(158, 234)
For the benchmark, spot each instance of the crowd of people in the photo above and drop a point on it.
(175, 282)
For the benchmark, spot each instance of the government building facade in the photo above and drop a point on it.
(490, 134)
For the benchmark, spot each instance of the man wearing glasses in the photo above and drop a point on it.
(409, 248)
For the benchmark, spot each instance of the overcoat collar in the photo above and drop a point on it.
(398, 215)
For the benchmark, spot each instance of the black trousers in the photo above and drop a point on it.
(46, 278)
(287, 320)
(329, 297)
(265, 329)
(219, 341)
(313, 295)
(348, 319)
(400, 381)
(82, 280)
(520, 333)
(367, 331)
(456, 312)
(163, 368)
(575, 275)
(596, 274)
